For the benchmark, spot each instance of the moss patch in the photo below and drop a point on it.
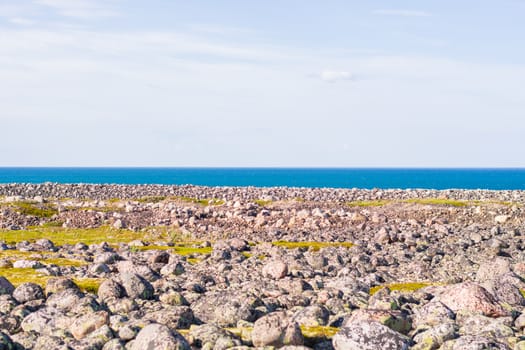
(19, 276)
(262, 203)
(60, 236)
(203, 201)
(376, 203)
(438, 201)
(41, 210)
(89, 285)
(315, 246)
(403, 287)
(324, 332)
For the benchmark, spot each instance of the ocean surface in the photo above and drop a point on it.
(497, 179)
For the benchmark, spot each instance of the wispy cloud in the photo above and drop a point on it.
(21, 21)
(80, 8)
(333, 76)
(403, 13)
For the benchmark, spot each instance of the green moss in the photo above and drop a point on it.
(438, 201)
(403, 287)
(60, 236)
(43, 257)
(262, 203)
(376, 203)
(41, 210)
(204, 201)
(193, 261)
(311, 245)
(64, 262)
(18, 276)
(89, 285)
(324, 332)
(184, 251)
(151, 199)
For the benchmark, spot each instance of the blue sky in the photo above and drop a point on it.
(262, 83)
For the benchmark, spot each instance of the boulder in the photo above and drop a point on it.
(5, 286)
(59, 284)
(275, 269)
(136, 286)
(85, 324)
(158, 336)
(276, 329)
(369, 335)
(28, 292)
(470, 296)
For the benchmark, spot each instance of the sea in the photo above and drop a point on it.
(366, 178)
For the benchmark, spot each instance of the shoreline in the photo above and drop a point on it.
(122, 191)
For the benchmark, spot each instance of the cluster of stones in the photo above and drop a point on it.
(260, 295)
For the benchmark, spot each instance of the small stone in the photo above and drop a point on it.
(275, 269)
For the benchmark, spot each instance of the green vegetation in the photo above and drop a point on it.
(426, 201)
(43, 257)
(151, 199)
(376, 203)
(28, 208)
(60, 236)
(439, 201)
(18, 276)
(89, 285)
(319, 332)
(181, 249)
(315, 246)
(262, 203)
(407, 287)
(204, 201)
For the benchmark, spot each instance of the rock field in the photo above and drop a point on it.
(187, 267)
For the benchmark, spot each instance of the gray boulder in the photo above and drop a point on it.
(367, 335)
(208, 335)
(136, 287)
(158, 336)
(28, 292)
(276, 329)
(5, 342)
(5, 286)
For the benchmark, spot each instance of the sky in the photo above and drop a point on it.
(262, 83)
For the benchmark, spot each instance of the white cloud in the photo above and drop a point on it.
(79, 8)
(334, 76)
(403, 13)
(21, 21)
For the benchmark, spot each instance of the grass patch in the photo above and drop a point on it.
(64, 262)
(19, 276)
(151, 199)
(402, 287)
(315, 246)
(376, 203)
(89, 285)
(324, 332)
(40, 210)
(262, 203)
(438, 201)
(60, 236)
(43, 257)
(205, 201)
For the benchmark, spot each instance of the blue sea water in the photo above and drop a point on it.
(496, 179)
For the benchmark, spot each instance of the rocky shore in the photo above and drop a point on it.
(180, 267)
